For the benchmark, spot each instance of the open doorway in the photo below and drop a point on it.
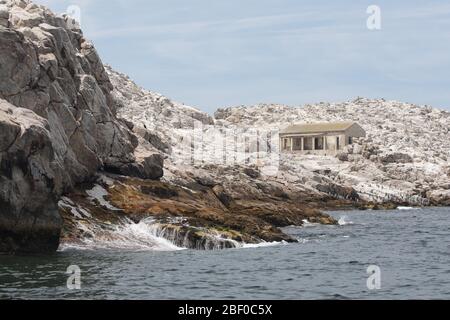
(319, 143)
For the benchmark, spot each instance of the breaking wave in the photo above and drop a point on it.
(150, 235)
(262, 244)
(407, 208)
(306, 223)
(129, 236)
(343, 221)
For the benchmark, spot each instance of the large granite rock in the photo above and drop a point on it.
(396, 157)
(49, 68)
(150, 167)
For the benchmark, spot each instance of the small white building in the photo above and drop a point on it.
(319, 138)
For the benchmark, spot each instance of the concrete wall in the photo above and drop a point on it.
(330, 141)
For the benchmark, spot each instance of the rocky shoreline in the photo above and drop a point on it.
(85, 152)
(194, 215)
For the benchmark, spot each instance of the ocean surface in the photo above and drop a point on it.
(410, 249)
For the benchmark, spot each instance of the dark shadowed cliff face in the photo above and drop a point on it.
(29, 220)
(57, 123)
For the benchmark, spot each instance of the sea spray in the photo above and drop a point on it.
(150, 234)
(191, 237)
(125, 235)
(343, 221)
(306, 223)
(262, 244)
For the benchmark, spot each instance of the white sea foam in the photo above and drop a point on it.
(343, 221)
(407, 208)
(143, 235)
(129, 236)
(262, 244)
(147, 235)
(306, 223)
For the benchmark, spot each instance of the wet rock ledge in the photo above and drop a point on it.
(190, 216)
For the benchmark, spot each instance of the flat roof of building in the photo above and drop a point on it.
(318, 127)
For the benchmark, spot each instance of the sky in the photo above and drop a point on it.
(211, 54)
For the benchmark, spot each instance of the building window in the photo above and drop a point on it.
(350, 140)
(308, 144)
(297, 144)
(338, 143)
(319, 143)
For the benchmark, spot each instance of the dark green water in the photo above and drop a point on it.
(411, 248)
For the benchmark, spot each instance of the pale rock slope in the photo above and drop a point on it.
(150, 112)
(403, 160)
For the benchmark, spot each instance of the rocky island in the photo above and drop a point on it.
(85, 153)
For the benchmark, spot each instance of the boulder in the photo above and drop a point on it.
(342, 156)
(357, 149)
(370, 152)
(338, 191)
(153, 167)
(439, 197)
(251, 172)
(205, 179)
(348, 149)
(395, 157)
(150, 167)
(153, 139)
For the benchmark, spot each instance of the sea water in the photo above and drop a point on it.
(410, 247)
